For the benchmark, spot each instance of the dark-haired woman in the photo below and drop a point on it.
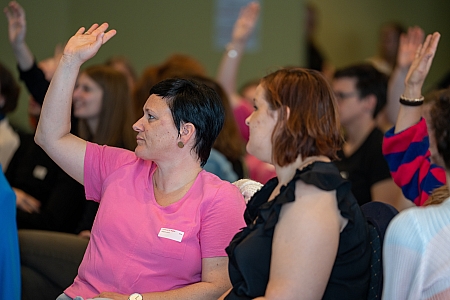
(163, 222)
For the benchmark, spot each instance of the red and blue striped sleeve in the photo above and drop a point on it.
(409, 162)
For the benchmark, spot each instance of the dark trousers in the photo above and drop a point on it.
(49, 262)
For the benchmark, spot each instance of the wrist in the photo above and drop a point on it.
(234, 49)
(412, 91)
(19, 46)
(70, 61)
(416, 101)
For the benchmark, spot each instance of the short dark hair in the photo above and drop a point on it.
(440, 121)
(313, 124)
(193, 102)
(9, 89)
(369, 81)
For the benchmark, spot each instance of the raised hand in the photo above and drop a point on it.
(85, 44)
(246, 22)
(17, 25)
(409, 42)
(421, 64)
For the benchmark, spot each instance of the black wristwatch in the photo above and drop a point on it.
(135, 296)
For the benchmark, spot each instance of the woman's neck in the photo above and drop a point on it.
(171, 183)
(285, 173)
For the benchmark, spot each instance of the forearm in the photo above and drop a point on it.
(228, 69)
(34, 79)
(395, 88)
(54, 122)
(409, 115)
(23, 55)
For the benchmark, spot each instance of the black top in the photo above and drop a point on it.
(250, 250)
(34, 79)
(365, 167)
(62, 198)
(37, 86)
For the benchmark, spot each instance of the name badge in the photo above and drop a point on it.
(171, 234)
(40, 172)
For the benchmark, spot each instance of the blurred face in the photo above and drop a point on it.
(261, 124)
(157, 135)
(350, 106)
(87, 98)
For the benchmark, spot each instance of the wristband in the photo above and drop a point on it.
(231, 52)
(411, 101)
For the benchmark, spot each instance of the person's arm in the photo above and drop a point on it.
(410, 115)
(305, 245)
(408, 158)
(17, 28)
(408, 118)
(30, 73)
(231, 59)
(53, 131)
(407, 48)
(214, 282)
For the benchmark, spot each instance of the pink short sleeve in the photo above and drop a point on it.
(222, 219)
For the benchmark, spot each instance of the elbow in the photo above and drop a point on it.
(38, 138)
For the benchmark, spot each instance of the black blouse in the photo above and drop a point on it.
(250, 250)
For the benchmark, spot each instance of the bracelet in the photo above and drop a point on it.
(411, 101)
(231, 52)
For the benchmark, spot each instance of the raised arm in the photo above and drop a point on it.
(410, 114)
(409, 42)
(53, 131)
(17, 29)
(231, 59)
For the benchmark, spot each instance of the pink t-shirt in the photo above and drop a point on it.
(138, 246)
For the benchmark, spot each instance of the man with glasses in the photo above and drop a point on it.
(361, 94)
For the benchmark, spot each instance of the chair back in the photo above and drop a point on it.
(378, 216)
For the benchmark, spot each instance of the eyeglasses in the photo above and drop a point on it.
(343, 96)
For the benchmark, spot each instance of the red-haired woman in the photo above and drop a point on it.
(306, 236)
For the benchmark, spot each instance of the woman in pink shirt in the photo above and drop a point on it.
(163, 223)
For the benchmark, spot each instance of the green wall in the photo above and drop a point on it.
(348, 29)
(149, 31)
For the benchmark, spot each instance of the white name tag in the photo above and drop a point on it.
(40, 172)
(171, 234)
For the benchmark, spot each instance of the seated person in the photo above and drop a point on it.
(9, 95)
(415, 263)
(168, 219)
(305, 233)
(361, 93)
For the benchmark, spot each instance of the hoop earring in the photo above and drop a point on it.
(180, 144)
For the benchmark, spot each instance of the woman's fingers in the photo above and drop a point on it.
(92, 29)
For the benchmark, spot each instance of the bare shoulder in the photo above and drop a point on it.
(310, 201)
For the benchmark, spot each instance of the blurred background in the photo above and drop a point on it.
(347, 31)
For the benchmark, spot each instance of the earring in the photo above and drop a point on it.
(180, 144)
